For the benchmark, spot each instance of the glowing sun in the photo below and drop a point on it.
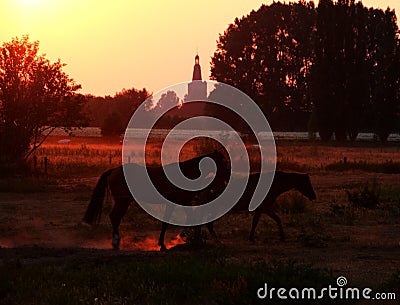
(33, 7)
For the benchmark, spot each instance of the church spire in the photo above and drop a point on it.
(196, 69)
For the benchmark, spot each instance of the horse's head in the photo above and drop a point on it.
(223, 164)
(305, 187)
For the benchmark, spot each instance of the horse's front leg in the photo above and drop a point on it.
(162, 236)
(196, 238)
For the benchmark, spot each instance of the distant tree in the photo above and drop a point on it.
(268, 55)
(168, 99)
(327, 74)
(355, 81)
(127, 101)
(36, 96)
(158, 109)
(124, 103)
(112, 125)
(339, 61)
(384, 70)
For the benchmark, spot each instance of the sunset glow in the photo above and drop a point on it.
(111, 45)
(33, 8)
(30, 2)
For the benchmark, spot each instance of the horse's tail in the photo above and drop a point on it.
(93, 212)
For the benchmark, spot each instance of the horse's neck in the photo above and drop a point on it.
(286, 182)
(188, 164)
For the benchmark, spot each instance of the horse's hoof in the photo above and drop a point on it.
(163, 248)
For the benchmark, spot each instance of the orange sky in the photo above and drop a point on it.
(109, 45)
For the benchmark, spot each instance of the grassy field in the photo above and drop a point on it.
(48, 256)
(88, 157)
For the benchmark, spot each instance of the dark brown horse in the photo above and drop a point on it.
(281, 183)
(114, 179)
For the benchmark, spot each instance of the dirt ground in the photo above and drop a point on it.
(365, 247)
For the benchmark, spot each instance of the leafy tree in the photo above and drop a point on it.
(112, 125)
(124, 103)
(36, 96)
(384, 70)
(340, 69)
(167, 100)
(268, 55)
(340, 61)
(127, 101)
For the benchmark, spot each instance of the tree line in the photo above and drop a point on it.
(332, 68)
(112, 113)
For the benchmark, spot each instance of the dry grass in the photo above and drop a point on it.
(88, 156)
(361, 244)
(317, 156)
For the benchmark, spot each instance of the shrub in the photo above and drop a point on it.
(344, 213)
(367, 197)
(292, 203)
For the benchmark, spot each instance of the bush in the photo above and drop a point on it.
(292, 203)
(367, 197)
(343, 213)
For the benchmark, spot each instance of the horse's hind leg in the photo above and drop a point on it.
(277, 219)
(210, 228)
(162, 236)
(167, 215)
(118, 211)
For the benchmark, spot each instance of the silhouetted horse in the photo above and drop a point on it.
(281, 183)
(115, 180)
